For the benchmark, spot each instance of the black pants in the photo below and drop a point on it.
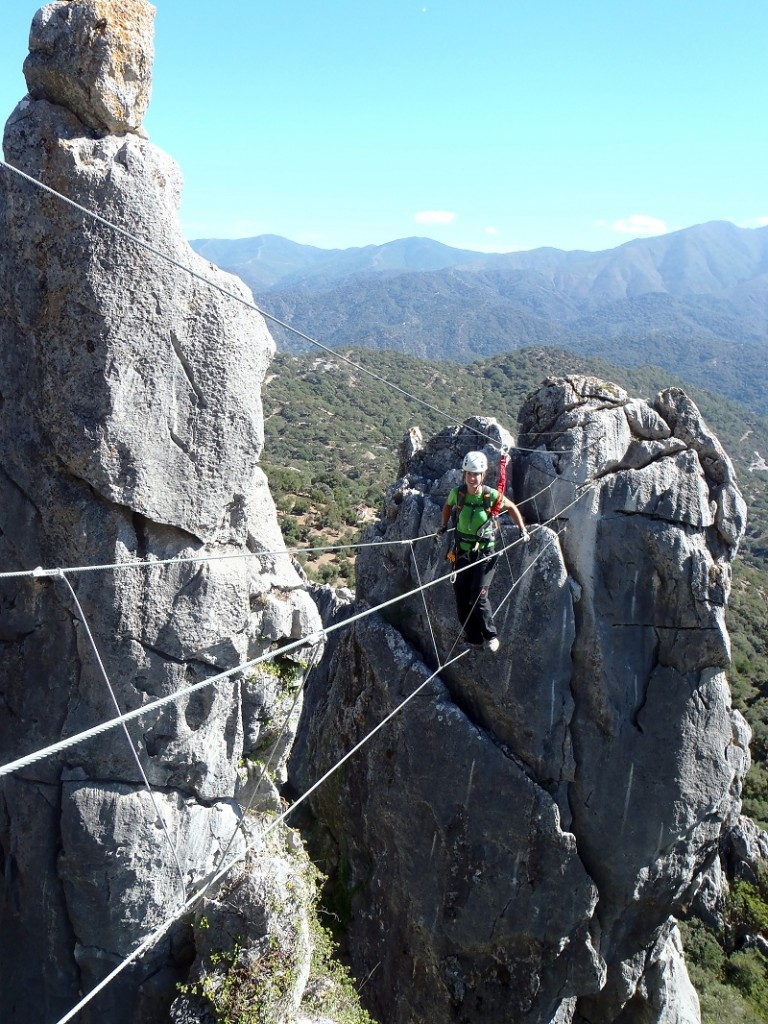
(471, 591)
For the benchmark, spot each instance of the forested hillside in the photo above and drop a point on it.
(694, 302)
(332, 439)
(464, 317)
(333, 431)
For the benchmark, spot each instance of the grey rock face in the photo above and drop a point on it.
(130, 428)
(522, 833)
(90, 358)
(94, 57)
(459, 856)
(745, 851)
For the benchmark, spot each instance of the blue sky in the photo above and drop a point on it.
(486, 124)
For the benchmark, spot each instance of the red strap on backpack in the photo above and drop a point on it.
(502, 484)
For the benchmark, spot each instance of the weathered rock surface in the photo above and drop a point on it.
(745, 851)
(259, 917)
(108, 45)
(130, 428)
(515, 844)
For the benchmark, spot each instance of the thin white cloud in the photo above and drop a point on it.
(434, 217)
(762, 221)
(640, 224)
(490, 230)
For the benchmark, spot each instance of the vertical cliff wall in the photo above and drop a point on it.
(517, 842)
(130, 428)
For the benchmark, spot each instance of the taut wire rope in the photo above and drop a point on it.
(334, 353)
(309, 640)
(154, 563)
(426, 609)
(226, 292)
(102, 669)
(155, 937)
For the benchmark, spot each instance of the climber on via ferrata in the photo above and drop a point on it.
(477, 505)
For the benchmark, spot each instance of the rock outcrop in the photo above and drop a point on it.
(516, 843)
(130, 429)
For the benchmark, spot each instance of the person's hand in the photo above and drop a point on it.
(441, 531)
(525, 535)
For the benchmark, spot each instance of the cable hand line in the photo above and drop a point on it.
(152, 939)
(155, 937)
(249, 304)
(192, 559)
(310, 640)
(144, 563)
(40, 572)
(226, 292)
(102, 669)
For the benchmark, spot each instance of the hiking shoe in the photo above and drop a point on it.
(493, 644)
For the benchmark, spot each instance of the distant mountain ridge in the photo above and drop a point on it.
(269, 262)
(693, 301)
(708, 259)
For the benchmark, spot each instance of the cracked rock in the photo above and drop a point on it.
(130, 429)
(517, 842)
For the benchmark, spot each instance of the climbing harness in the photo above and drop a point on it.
(481, 539)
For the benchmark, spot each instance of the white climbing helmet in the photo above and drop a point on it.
(474, 462)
